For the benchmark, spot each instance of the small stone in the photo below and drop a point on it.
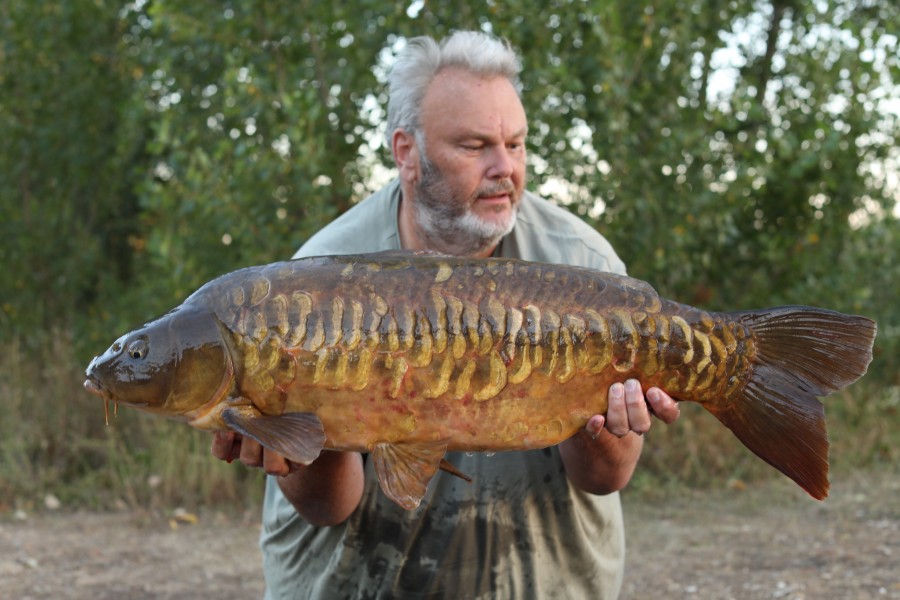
(51, 502)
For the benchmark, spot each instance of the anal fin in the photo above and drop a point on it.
(405, 469)
(299, 437)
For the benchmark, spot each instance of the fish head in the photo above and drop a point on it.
(172, 366)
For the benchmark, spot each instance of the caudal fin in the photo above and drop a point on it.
(802, 353)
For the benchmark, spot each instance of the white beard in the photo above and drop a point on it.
(448, 225)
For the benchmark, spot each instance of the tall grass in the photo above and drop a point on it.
(53, 440)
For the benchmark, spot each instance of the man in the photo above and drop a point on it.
(537, 524)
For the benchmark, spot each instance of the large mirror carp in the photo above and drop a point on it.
(410, 355)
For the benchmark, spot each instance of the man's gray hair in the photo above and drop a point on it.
(423, 58)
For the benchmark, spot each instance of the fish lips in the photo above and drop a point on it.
(92, 382)
(95, 387)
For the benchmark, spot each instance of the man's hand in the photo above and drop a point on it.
(601, 458)
(325, 492)
(230, 446)
(629, 410)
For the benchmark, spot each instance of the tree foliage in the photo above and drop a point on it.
(736, 152)
(67, 193)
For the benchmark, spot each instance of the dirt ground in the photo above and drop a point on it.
(767, 541)
(770, 541)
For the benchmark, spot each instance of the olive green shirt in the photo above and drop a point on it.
(519, 530)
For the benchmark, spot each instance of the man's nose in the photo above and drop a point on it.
(502, 165)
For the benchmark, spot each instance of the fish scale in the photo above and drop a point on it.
(409, 355)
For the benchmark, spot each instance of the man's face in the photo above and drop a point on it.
(472, 170)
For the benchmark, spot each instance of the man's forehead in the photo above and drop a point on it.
(452, 81)
(473, 102)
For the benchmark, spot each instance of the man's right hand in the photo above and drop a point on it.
(230, 446)
(325, 492)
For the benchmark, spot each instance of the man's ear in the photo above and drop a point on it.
(406, 155)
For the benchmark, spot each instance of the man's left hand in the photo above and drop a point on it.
(630, 410)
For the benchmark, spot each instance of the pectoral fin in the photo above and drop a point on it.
(404, 470)
(299, 437)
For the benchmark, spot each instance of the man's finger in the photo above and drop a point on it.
(595, 425)
(636, 406)
(663, 406)
(617, 413)
(275, 464)
(223, 445)
(251, 453)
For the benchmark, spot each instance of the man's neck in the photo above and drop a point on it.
(406, 225)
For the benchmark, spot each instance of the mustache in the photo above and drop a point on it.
(503, 187)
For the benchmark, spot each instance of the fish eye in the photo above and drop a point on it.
(138, 349)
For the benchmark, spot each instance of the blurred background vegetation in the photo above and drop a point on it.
(738, 153)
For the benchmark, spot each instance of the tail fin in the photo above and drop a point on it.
(802, 353)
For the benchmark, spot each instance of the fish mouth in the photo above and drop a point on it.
(95, 387)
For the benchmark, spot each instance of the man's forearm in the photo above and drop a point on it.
(327, 491)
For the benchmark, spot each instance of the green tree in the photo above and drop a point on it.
(257, 117)
(69, 138)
